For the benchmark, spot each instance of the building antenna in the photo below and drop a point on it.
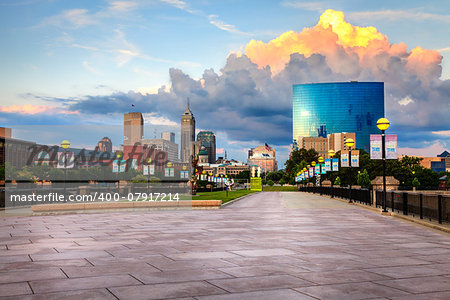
(154, 132)
(188, 103)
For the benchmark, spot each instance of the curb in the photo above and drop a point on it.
(237, 199)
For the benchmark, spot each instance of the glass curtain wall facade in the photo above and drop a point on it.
(340, 107)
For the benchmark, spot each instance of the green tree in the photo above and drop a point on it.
(364, 179)
(415, 182)
(282, 182)
(270, 183)
(337, 181)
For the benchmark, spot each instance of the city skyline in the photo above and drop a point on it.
(112, 66)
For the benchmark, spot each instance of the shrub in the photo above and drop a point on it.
(416, 182)
(364, 179)
(270, 182)
(282, 182)
(337, 181)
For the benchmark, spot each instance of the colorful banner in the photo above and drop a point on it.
(391, 146)
(66, 160)
(344, 159)
(123, 166)
(335, 164)
(115, 166)
(322, 169)
(327, 164)
(311, 172)
(355, 158)
(317, 170)
(376, 145)
(167, 172)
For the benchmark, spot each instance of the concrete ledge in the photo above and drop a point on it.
(198, 204)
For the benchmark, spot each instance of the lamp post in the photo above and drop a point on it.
(149, 161)
(313, 164)
(331, 154)
(119, 158)
(304, 172)
(383, 125)
(350, 143)
(65, 145)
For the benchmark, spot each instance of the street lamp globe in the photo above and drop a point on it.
(331, 152)
(118, 154)
(350, 143)
(320, 160)
(304, 170)
(313, 163)
(383, 124)
(149, 160)
(65, 144)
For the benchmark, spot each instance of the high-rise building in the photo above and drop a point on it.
(320, 144)
(339, 107)
(336, 141)
(207, 139)
(133, 126)
(187, 134)
(264, 157)
(163, 145)
(168, 136)
(104, 145)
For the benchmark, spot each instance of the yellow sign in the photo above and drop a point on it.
(255, 184)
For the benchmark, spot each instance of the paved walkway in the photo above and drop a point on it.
(267, 246)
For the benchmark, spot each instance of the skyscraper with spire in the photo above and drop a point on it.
(187, 133)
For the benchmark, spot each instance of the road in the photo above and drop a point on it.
(267, 246)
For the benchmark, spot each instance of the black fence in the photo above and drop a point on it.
(425, 205)
(358, 195)
(432, 206)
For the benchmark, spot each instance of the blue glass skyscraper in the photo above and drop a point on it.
(338, 107)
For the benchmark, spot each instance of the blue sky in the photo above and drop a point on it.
(59, 54)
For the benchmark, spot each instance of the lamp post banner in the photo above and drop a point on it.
(123, 165)
(391, 146)
(375, 146)
(344, 159)
(355, 158)
(328, 165)
(335, 164)
(311, 171)
(322, 169)
(317, 169)
(62, 158)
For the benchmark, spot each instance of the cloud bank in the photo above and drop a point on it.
(250, 98)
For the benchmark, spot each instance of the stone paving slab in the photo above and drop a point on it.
(266, 246)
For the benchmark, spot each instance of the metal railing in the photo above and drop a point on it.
(425, 205)
(359, 195)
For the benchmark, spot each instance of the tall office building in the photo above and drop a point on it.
(168, 136)
(133, 126)
(207, 139)
(187, 134)
(163, 145)
(339, 107)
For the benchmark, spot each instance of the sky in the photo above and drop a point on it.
(83, 63)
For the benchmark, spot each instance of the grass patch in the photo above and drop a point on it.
(277, 188)
(221, 195)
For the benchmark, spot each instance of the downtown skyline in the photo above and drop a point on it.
(87, 62)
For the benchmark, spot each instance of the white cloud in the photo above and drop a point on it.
(122, 6)
(432, 150)
(214, 20)
(394, 15)
(313, 6)
(443, 49)
(91, 69)
(405, 101)
(154, 119)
